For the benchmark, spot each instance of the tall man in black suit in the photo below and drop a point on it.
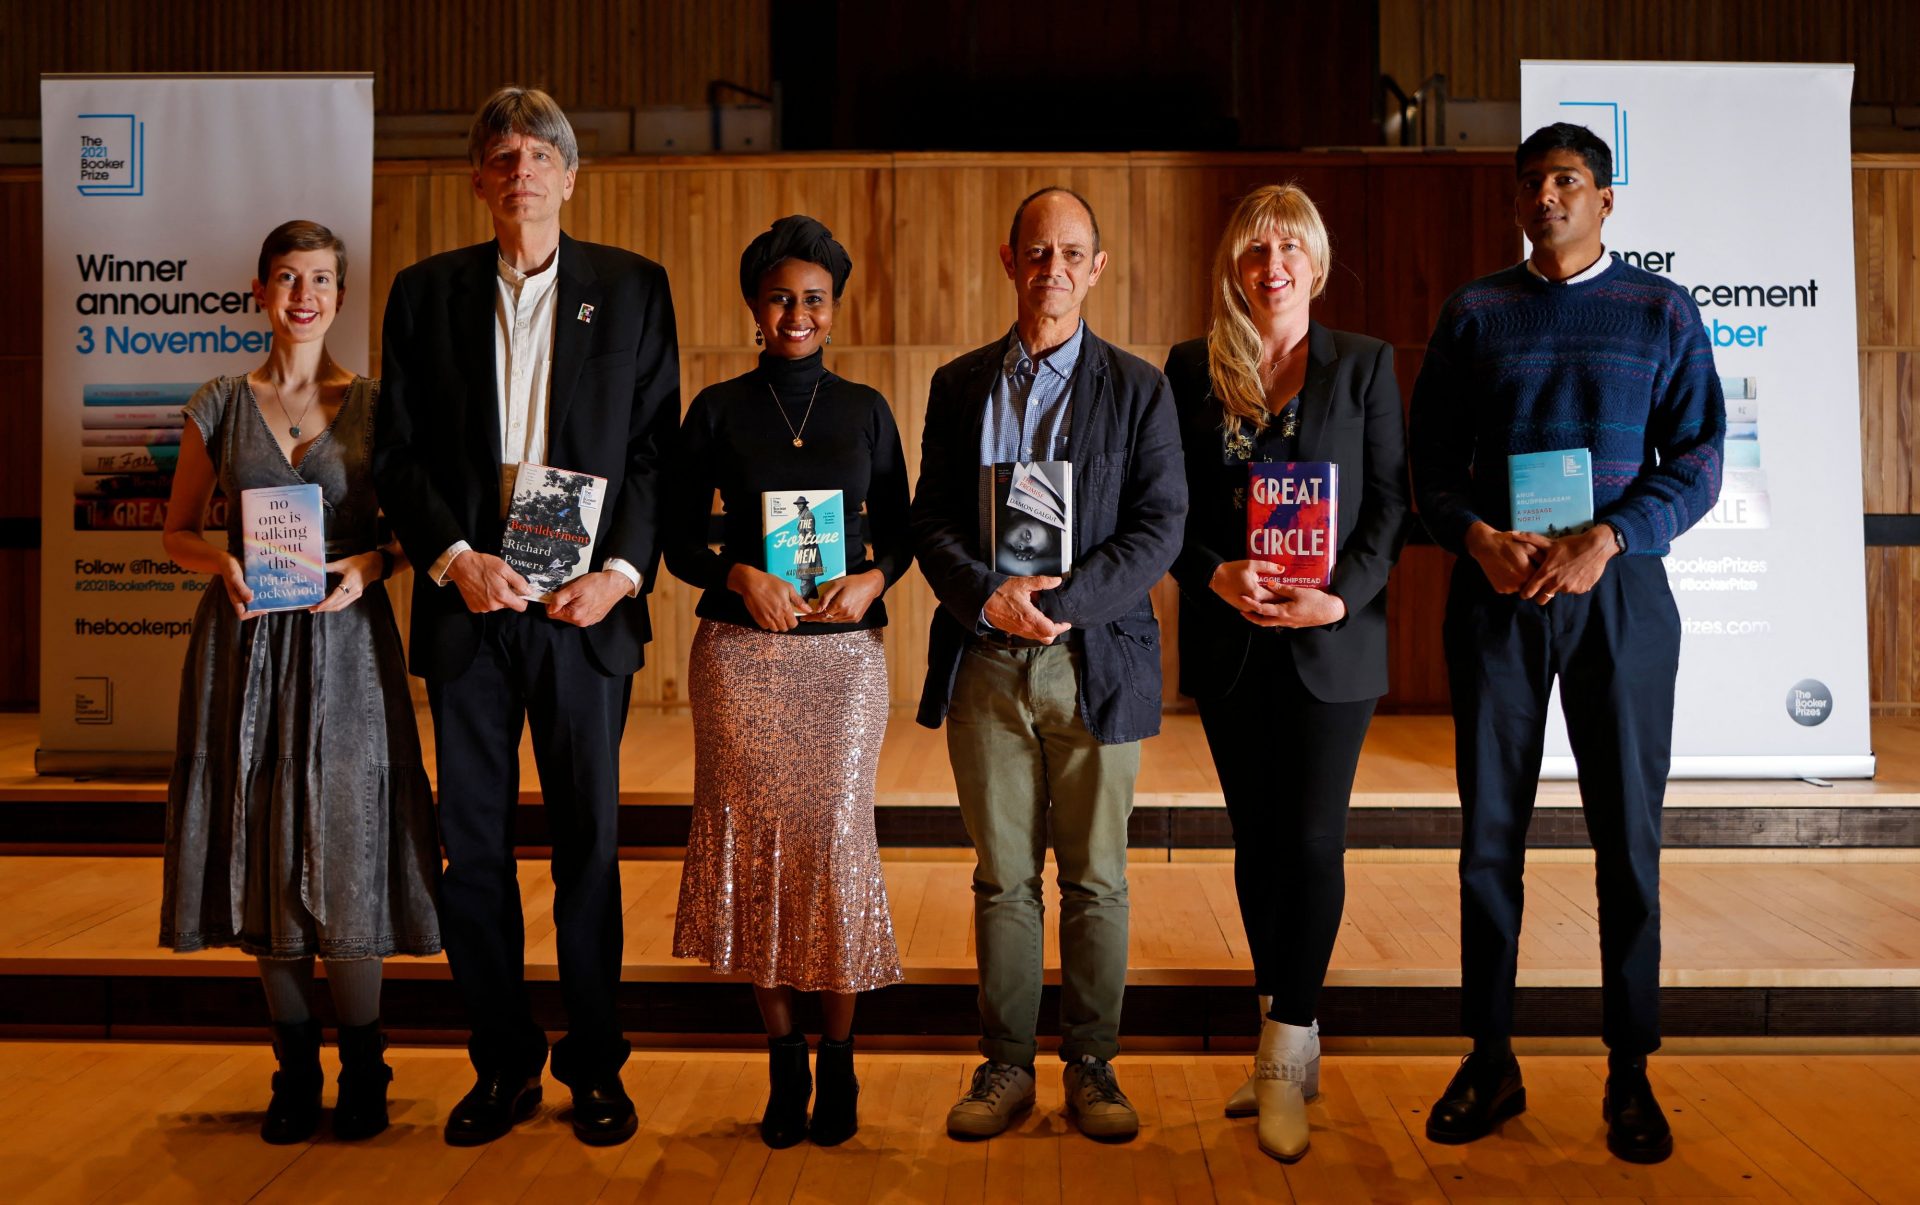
(1049, 683)
(532, 347)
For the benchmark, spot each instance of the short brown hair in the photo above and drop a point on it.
(302, 235)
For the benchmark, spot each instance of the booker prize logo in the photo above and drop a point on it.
(112, 155)
(1608, 119)
(1809, 702)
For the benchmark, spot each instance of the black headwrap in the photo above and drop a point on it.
(795, 237)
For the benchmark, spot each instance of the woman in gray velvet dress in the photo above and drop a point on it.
(299, 818)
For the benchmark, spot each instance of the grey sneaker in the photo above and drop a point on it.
(1096, 1103)
(1000, 1092)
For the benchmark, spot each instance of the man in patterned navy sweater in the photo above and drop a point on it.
(1570, 349)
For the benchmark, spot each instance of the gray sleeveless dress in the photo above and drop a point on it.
(299, 818)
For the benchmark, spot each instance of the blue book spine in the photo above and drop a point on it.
(1551, 492)
(805, 537)
(285, 554)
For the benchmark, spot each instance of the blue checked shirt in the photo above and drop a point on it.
(1027, 415)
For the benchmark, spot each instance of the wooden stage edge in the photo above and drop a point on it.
(1407, 764)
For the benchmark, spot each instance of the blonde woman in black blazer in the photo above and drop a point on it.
(1286, 679)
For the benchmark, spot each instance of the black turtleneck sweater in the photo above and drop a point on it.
(735, 440)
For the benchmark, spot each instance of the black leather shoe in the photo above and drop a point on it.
(499, 1100)
(1483, 1093)
(1637, 1130)
(603, 1112)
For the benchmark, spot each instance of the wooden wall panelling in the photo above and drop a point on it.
(1886, 249)
(20, 225)
(20, 634)
(1478, 44)
(1416, 599)
(1180, 207)
(20, 334)
(1433, 224)
(1893, 638)
(1889, 422)
(950, 220)
(710, 211)
(428, 56)
(20, 400)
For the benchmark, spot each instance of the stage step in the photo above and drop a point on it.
(1820, 946)
(1404, 796)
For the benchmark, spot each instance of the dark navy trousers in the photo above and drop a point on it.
(1615, 651)
(532, 671)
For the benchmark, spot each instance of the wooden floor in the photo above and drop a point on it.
(1822, 923)
(1407, 762)
(162, 1122)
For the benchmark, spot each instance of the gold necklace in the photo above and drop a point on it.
(797, 441)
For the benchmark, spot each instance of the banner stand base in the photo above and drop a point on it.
(1735, 766)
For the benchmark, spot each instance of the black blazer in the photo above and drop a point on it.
(1349, 414)
(612, 409)
(1129, 499)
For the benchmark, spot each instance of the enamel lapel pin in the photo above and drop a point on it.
(585, 314)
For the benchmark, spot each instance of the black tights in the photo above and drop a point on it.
(1286, 762)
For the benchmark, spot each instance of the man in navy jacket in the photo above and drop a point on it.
(1048, 683)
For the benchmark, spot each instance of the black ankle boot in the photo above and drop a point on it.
(294, 1112)
(1637, 1130)
(836, 1114)
(361, 1110)
(785, 1121)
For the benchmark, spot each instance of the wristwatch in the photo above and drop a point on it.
(1619, 539)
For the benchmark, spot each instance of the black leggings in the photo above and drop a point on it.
(1286, 762)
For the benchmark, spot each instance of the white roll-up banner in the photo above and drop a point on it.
(1735, 180)
(158, 191)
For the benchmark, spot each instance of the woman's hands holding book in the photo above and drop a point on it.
(1239, 583)
(846, 599)
(354, 573)
(233, 575)
(771, 601)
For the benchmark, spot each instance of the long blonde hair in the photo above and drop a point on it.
(1233, 342)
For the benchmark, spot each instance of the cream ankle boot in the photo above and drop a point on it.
(1279, 1082)
(1242, 1102)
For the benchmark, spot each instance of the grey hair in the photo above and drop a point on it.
(528, 111)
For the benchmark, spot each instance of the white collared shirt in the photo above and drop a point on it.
(523, 364)
(523, 314)
(1581, 277)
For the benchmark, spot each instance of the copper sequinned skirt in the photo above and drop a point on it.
(782, 878)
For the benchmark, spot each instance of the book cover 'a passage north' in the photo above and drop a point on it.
(1551, 492)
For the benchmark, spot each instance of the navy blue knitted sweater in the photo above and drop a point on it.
(1617, 364)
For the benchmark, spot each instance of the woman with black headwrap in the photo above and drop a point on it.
(788, 674)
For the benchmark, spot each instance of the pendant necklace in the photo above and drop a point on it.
(293, 424)
(797, 441)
